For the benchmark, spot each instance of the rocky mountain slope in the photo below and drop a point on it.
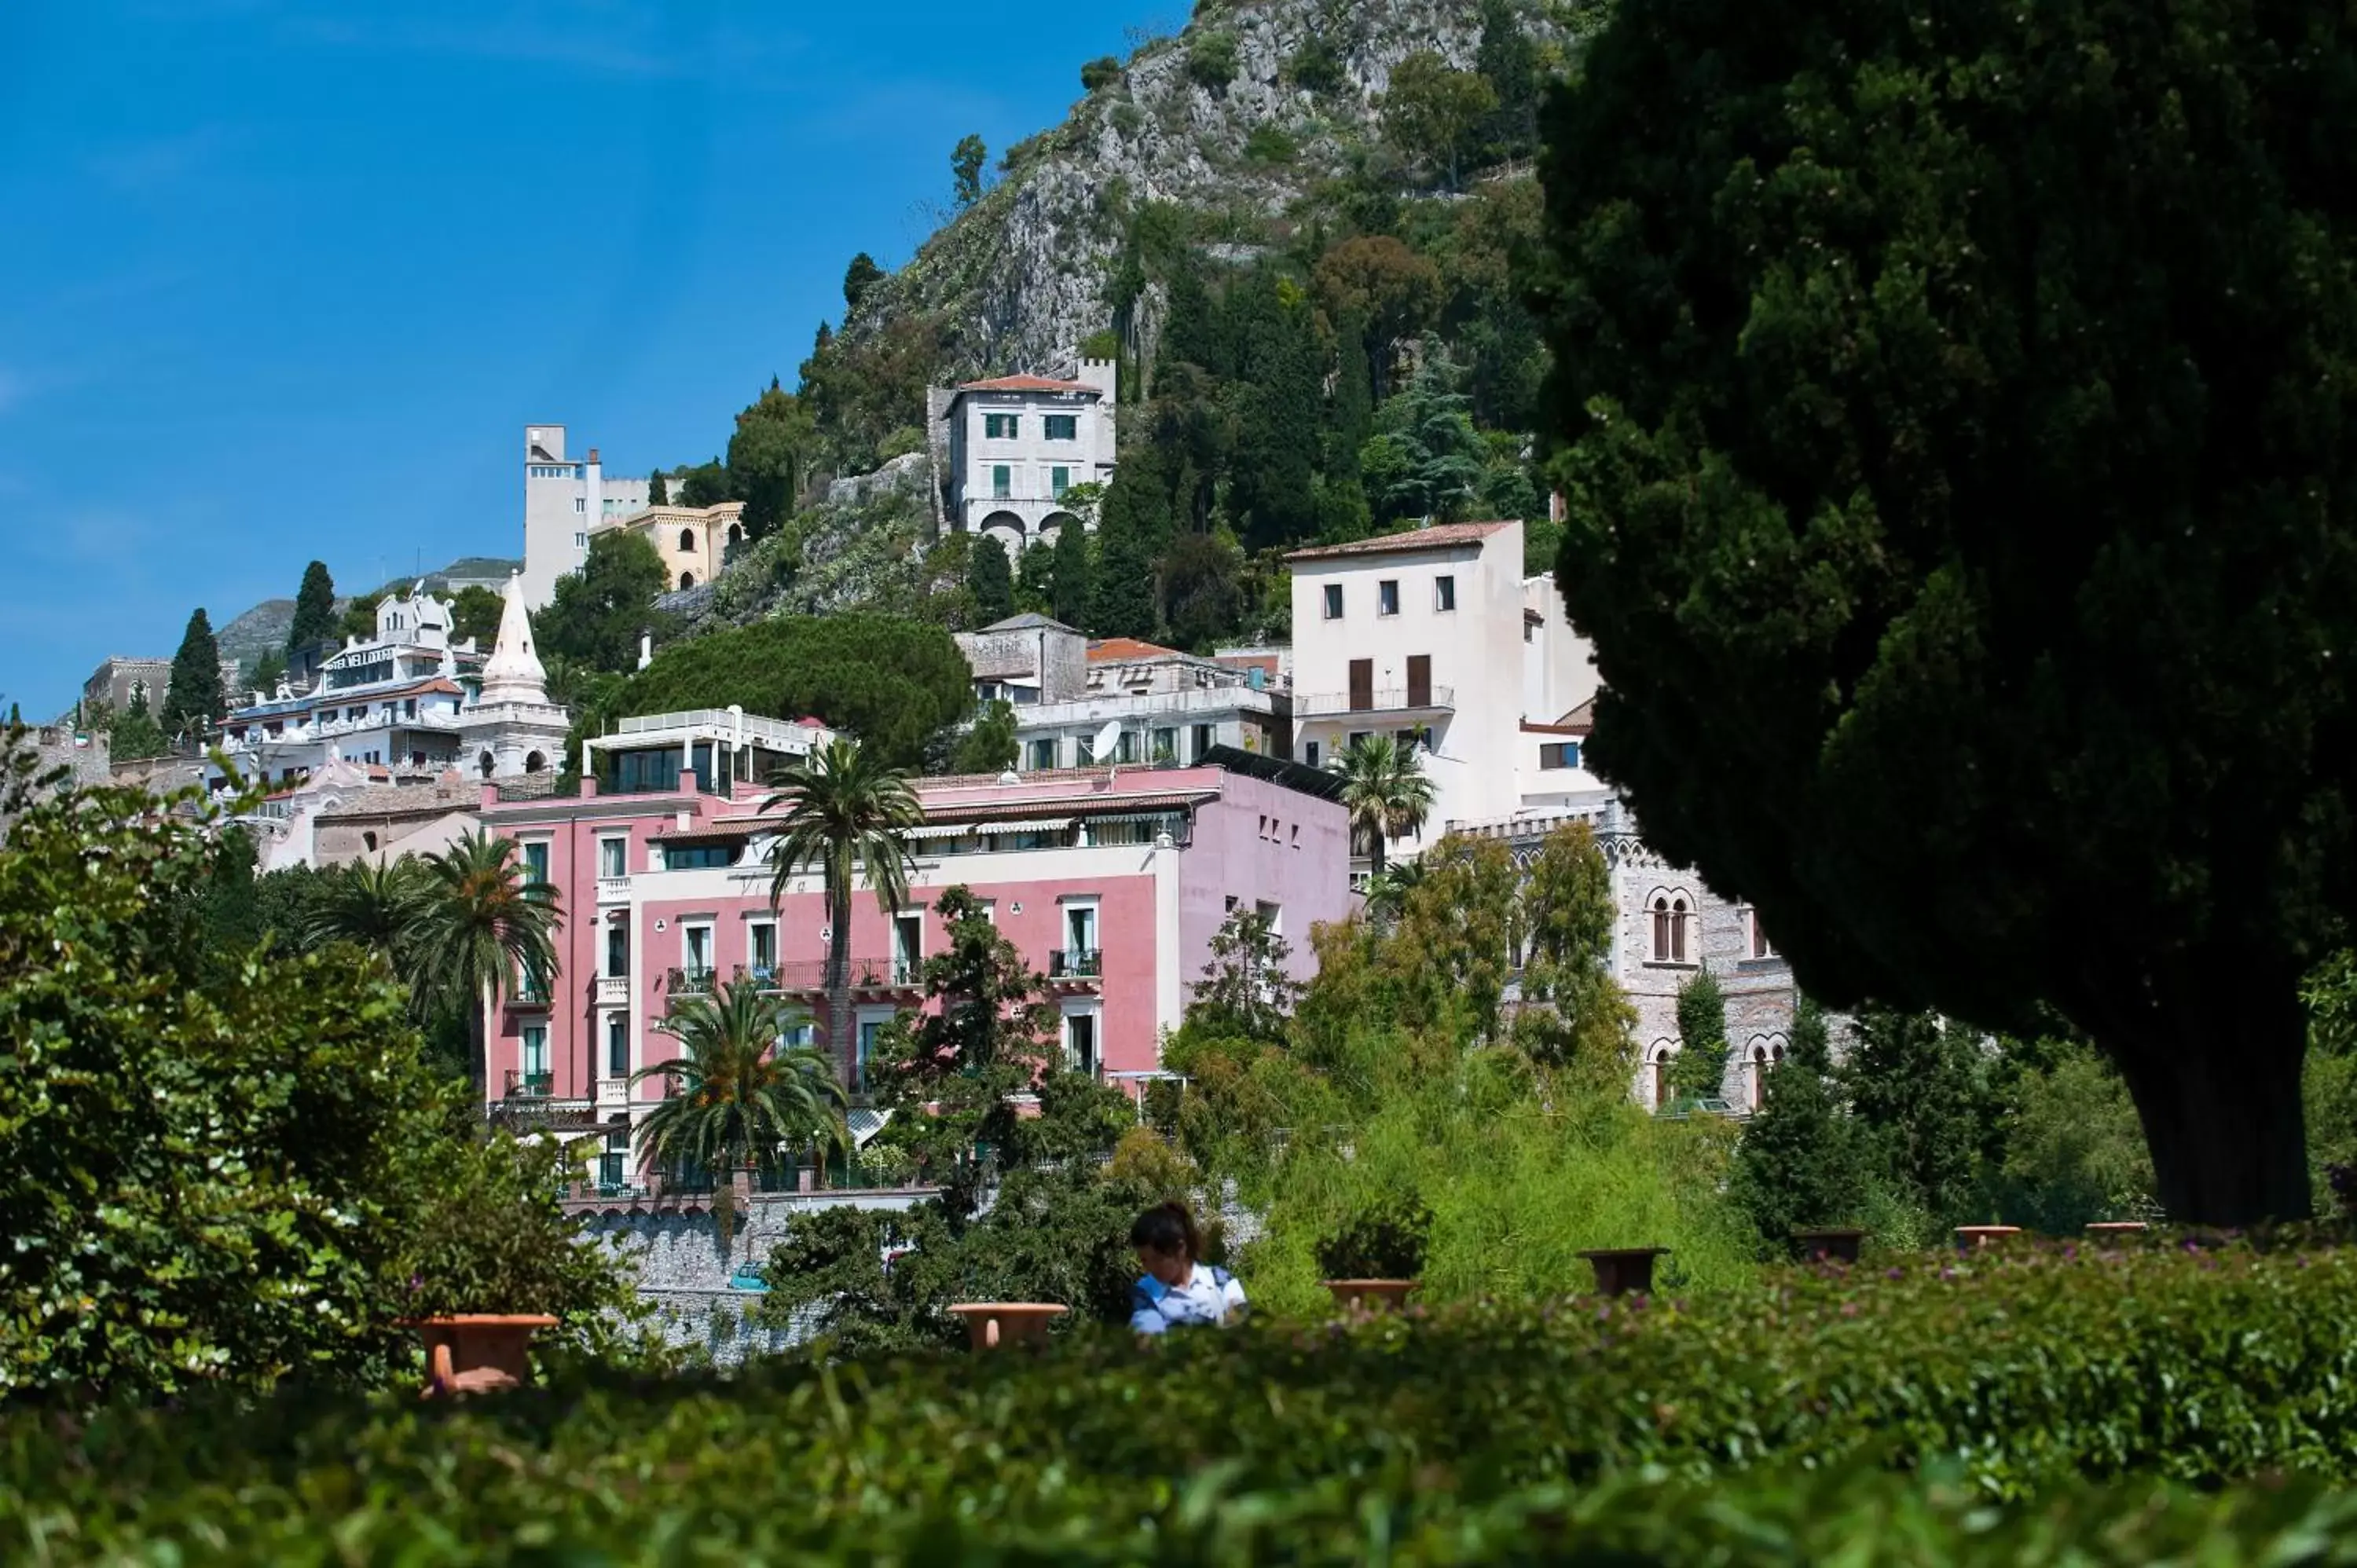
(1230, 123)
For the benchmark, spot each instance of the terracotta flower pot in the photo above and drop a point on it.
(470, 1353)
(1621, 1270)
(1370, 1295)
(1833, 1245)
(1985, 1235)
(990, 1324)
(2116, 1227)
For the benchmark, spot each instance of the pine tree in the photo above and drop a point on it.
(1802, 1162)
(315, 610)
(991, 580)
(195, 699)
(1071, 590)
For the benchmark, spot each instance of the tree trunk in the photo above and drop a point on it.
(2214, 1069)
(1375, 854)
(838, 982)
(482, 1055)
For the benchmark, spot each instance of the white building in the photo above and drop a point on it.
(564, 500)
(1436, 637)
(1012, 447)
(400, 700)
(1171, 707)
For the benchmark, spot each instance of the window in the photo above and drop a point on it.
(1309, 754)
(1201, 742)
(1756, 941)
(535, 861)
(1064, 426)
(1126, 749)
(1001, 482)
(698, 856)
(687, 542)
(1657, 1074)
(535, 1055)
(695, 949)
(1356, 736)
(613, 857)
(580, 503)
(1271, 915)
(999, 427)
(618, 1044)
(1084, 750)
(1166, 746)
(1043, 753)
(1081, 1042)
(1059, 481)
(1444, 593)
(908, 947)
(762, 947)
(1079, 930)
(1333, 601)
(580, 541)
(868, 1029)
(1387, 597)
(618, 950)
(1671, 916)
(1565, 754)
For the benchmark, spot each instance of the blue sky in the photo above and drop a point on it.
(284, 281)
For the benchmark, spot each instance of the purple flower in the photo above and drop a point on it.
(1897, 1273)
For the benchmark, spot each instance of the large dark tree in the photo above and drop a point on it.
(990, 578)
(315, 609)
(769, 457)
(195, 699)
(599, 611)
(1957, 407)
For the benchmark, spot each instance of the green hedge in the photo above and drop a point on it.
(1474, 1431)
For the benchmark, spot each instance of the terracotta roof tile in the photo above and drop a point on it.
(1435, 538)
(1108, 649)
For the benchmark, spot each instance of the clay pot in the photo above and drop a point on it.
(2116, 1227)
(1836, 1245)
(1985, 1235)
(990, 1324)
(1370, 1295)
(472, 1353)
(1623, 1271)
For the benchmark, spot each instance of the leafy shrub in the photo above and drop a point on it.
(1385, 1244)
(1212, 61)
(1269, 144)
(1316, 66)
(1673, 1431)
(1099, 73)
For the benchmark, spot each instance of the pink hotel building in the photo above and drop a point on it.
(1112, 881)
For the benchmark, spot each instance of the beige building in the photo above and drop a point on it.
(1437, 637)
(693, 542)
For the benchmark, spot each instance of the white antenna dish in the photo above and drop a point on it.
(1108, 740)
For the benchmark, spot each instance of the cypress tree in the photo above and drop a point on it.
(1802, 1163)
(1701, 1066)
(315, 609)
(194, 698)
(991, 580)
(1277, 446)
(658, 491)
(1071, 590)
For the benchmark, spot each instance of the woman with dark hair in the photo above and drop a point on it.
(1177, 1288)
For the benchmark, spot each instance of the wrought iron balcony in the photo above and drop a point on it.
(694, 982)
(804, 976)
(525, 1085)
(1075, 964)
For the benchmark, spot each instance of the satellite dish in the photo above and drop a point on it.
(1107, 739)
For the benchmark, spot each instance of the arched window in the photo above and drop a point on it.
(735, 533)
(1761, 1062)
(368, 840)
(535, 762)
(686, 580)
(486, 764)
(1673, 916)
(1657, 1075)
(687, 542)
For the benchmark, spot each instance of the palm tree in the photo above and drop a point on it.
(379, 908)
(1387, 891)
(1385, 791)
(480, 920)
(845, 814)
(734, 1100)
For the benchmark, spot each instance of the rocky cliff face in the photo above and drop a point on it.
(1021, 279)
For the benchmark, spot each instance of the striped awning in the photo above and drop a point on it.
(991, 825)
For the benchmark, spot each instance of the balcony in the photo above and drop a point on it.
(613, 990)
(1075, 964)
(525, 1085)
(613, 890)
(530, 996)
(874, 976)
(613, 1093)
(694, 982)
(1390, 699)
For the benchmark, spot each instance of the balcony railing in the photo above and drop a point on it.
(1075, 964)
(694, 982)
(810, 974)
(1390, 699)
(531, 991)
(613, 990)
(613, 890)
(525, 1085)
